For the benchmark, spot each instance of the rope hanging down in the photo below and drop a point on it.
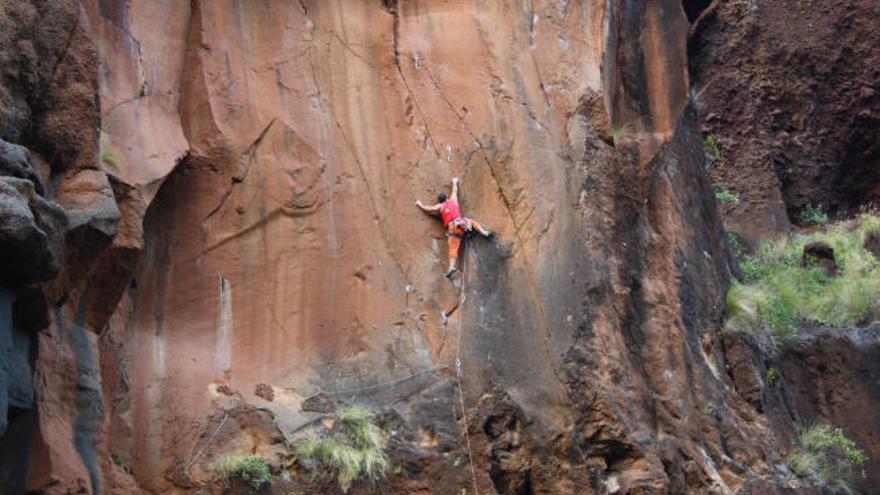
(458, 373)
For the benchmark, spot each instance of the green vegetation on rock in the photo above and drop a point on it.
(724, 195)
(772, 375)
(710, 148)
(353, 449)
(779, 292)
(107, 155)
(813, 215)
(250, 469)
(827, 456)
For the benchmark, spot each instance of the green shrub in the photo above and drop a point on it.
(735, 245)
(827, 455)
(354, 449)
(710, 148)
(777, 293)
(772, 375)
(813, 215)
(724, 194)
(250, 469)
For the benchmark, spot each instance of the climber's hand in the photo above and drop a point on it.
(418, 203)
(455, 180)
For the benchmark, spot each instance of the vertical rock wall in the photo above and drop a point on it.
(236, 201)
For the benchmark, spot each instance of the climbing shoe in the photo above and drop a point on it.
(488, 234)
(451, 271)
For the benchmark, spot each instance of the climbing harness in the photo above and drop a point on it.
(463, 225)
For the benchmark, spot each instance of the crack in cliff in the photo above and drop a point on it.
(305, 10)
(481, 150)
(67, 45)
(373, 206)
(284, 61)
(392, 8)
(516, 226)
(358, 55)
(541, 84)
(237, 179)
(351, 149)
(280, 211)
(252, 151)
(542, 87)
(110, 110)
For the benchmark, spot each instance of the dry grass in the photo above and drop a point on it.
(354, 449)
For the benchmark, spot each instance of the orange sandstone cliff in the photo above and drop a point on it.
(210, 245)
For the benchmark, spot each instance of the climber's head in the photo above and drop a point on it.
(441, 197)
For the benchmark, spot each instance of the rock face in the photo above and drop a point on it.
(230, 251)
(789, 91)
(835, 375)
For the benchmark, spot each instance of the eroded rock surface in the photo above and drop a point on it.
(834, 375)
(789, 90)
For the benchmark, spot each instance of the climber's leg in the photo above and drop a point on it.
(454, 245)
(484, 232)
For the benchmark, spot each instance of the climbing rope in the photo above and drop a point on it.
(206, 445)
(458, 373)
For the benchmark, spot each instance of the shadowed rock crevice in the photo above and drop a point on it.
(694, 8)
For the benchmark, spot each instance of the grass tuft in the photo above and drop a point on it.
(354, 449)
(777, 293)
(250, 469)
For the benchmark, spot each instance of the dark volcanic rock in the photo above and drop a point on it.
(822, 255)
(15, 162)
(319, 403)
(872, 243)
(16, 398)
(16, 384)
(834, 375)
(31, 231)
(789, 89)
(30, 312)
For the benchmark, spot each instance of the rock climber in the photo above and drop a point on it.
(457, 226)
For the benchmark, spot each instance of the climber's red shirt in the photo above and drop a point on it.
(450, 211)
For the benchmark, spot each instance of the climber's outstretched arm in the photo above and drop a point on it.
(454, 195)
(429, 209)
